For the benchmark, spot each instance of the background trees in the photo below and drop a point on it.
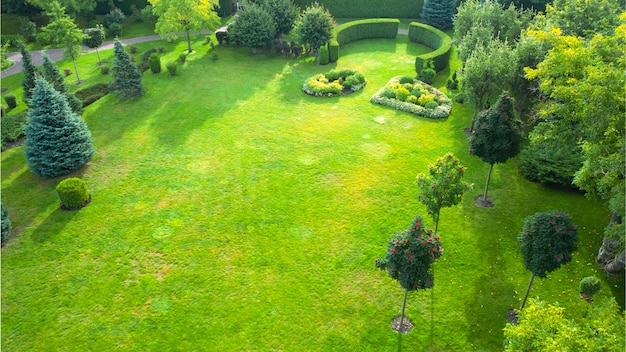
(57, 140)
(253, 28)
(315, 26)
(547, 241)
(177, 16)
(283, 12)
(497, 136)
(439, 13)
(52, 74)
(126, 76)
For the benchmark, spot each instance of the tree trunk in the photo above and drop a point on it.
(474, 119)
(99, 60)
(487, 185)
(530, 283)
(607, 260)
(403, 306)
(188, 42)
(76, 69)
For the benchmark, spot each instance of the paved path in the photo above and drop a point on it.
(57, 54)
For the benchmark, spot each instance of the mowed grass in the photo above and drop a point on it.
(231, 211)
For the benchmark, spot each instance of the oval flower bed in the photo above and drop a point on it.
(334, 82)
(414, 96)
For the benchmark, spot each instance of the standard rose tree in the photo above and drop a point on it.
(408, 259)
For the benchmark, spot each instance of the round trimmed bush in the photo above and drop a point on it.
(73, 193)
(431, 105)
(171, 68)
(590, 285)
(407, 79)
(11, 101)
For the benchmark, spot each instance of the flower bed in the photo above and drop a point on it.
(414, 96)
(334, 82)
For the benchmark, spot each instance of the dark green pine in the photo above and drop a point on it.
(57, 139)
(53, 76)
(30, 74)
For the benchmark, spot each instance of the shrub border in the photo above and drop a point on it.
(384, 28)
(440, 112)
(433, 38)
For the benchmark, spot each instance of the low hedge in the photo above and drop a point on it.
(334, 82)
(394, 95)
(368, 8)
(91, 94)
(433, 38)
(362, 29)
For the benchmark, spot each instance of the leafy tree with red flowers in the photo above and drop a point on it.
(409, 256)
(548, 240)
(496, 136)
(444, 187)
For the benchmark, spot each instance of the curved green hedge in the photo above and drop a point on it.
(433, 38)
(368, 8)
(362, 29)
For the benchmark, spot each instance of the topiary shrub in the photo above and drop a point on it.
(73, 193)
(550, 162)
(171, 68)
(453, 82)
(155, 63)
(322, 55)
(590, 285)
(334, 82)
(11, 100)
(6, 224)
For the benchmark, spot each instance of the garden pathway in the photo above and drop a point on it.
(57, 54)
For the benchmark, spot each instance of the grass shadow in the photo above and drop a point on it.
(52, 225)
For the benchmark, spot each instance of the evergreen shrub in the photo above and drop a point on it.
(73, 193)
(155, 63)
(91, 94)
(12, 128)
(551, 163)
(362, 29)
(11, 100)
(322, 55)
(431, 105)
(171, 68)
(590, 285)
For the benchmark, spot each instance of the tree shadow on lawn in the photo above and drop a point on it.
(53, 225)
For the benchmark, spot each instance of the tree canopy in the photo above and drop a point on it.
(314, 26)
(284, 13)
(439, 13)
(175, 16)
(253, 28)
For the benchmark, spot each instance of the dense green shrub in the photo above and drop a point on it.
(155, 63)
(453, 82)
(28, 30)
(322, 55)
(368, 8)
(6, 224)
(402, 93)
(334, 82)
(407, 79)
(115, 16)
(362, 29)
(12, 128)
(459, 98)
(431, 105)
(11, 100)
(333, 50)
(114, 30)
(171, 68)
(91, 94)
(73, 193)
(182, 58)
(427, 73)
(551, 163)
(434, 39)
(387, 96)
(590, 285)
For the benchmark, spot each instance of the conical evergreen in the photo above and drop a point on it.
(439, 13)
(126, 76)
(57, 140)
(30, 73)
(52, 74)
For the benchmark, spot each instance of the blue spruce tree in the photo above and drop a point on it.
(439, 13)
(126, 76)
(52, 74)
(57, 140)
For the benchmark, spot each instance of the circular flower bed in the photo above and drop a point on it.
(411, 95)
(334, 82)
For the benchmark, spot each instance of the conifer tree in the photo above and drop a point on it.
(52, 74)
(30, 73)
(126, 76)
(439, 13)
(496, 136)
(6, 224)
(57, 140)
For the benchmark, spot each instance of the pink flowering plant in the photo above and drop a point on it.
(409, 256)
(443, 187)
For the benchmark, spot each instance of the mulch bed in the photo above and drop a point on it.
(485, 203)
(407, 325)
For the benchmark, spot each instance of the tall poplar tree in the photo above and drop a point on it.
(126, 76)
(57, 140)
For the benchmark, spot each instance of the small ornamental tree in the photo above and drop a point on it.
(443, 188)
(315, 26)
(547, 241)
(52, 74)
(254, 27)
(126, 76)
(30, 73)
(57, 140)
(284, 13)
(439, 13)
(409, 256)
(6, 224)
(497, 136)
(94, 38)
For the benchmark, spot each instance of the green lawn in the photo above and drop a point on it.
(231, 211)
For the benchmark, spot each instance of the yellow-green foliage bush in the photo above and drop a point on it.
(73, 193)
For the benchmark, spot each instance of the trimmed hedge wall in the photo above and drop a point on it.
(433, 38)
(362, 29)
(368, 8)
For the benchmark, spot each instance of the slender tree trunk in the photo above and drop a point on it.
(188, 42)
(403, 306)
(432, 308)
(436, 223)
(76, 70)
(474, 119)
(488, 179)
(97, 52)
(530, 283)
